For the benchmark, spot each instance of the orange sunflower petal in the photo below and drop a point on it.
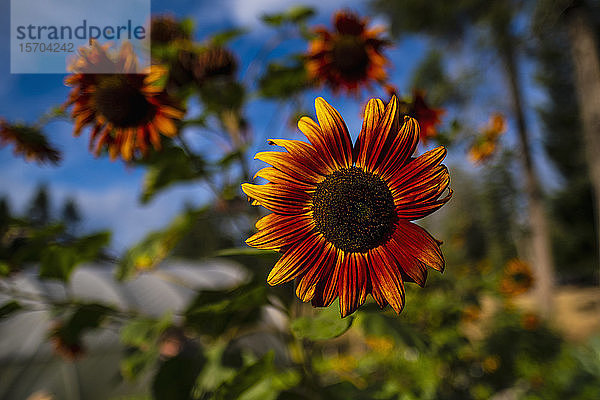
(297, 259)
(307, 283)
(373, 113)
(278, 198)
(416, 167)
(386, 131)
(401, 149)
(352, 282)
(303, 153)
(326, 289)
(318, 138)
(419, 244)
(410, 265)
(286, 163)
(386, 279)
(277, 176)
(282, 231)
(420, 196)
(336, 133)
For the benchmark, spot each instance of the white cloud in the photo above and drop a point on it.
(247, 13)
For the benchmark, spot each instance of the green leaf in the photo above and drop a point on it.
(229, 158)
(4, 269)
(246, 378)
(243, 251)
(281, 81)
(273, 19)
(58, 261)
(327, 324)
(222, 38)
(142, 335)
(295, 15)
(86, 316)
(220, 95)
(213, 312)
(299, 14)
(9, 308)
(137, 362)
(377, 323)
(143, 332)
(170, 166)
(177, 376)
(155, 247)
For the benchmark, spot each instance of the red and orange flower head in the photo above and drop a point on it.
(165, 29)
(29, 142)
(428, 118)
(484, 147)
(64, 345)
(349, 56)
(127, 110)
(517, 278)
(342, 213)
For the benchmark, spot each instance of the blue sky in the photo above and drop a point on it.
(107, 192)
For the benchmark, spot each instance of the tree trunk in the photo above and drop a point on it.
(586, 62)
(541, 250)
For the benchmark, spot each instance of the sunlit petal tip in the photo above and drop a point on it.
(398, 307)
(247, 188)
(393, 102)
(410, 123)
(320, 102)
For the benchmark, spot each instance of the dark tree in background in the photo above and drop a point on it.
(492, 23)
(39, 211)
(71, 215)
(572, 205)
(586, 61)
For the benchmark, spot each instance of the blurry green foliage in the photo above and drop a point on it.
(176, 377)
(156, 246)
(295, 15)
(59, 260)
(168, 167)
(141, 336)
(85, 317)
(283, 80)
(326, 324)
(214, 312)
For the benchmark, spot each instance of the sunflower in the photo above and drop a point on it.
(427, 117)
(342, 213)
(29, 142)
(517, 278)
(215, 62)
(165, 29)
(349, 56)
(127, 110)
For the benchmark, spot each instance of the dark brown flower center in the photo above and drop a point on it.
(120, 100)
(354, 210)
(215, 62)
(350, 56)
(165, 30)
(521, 278)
